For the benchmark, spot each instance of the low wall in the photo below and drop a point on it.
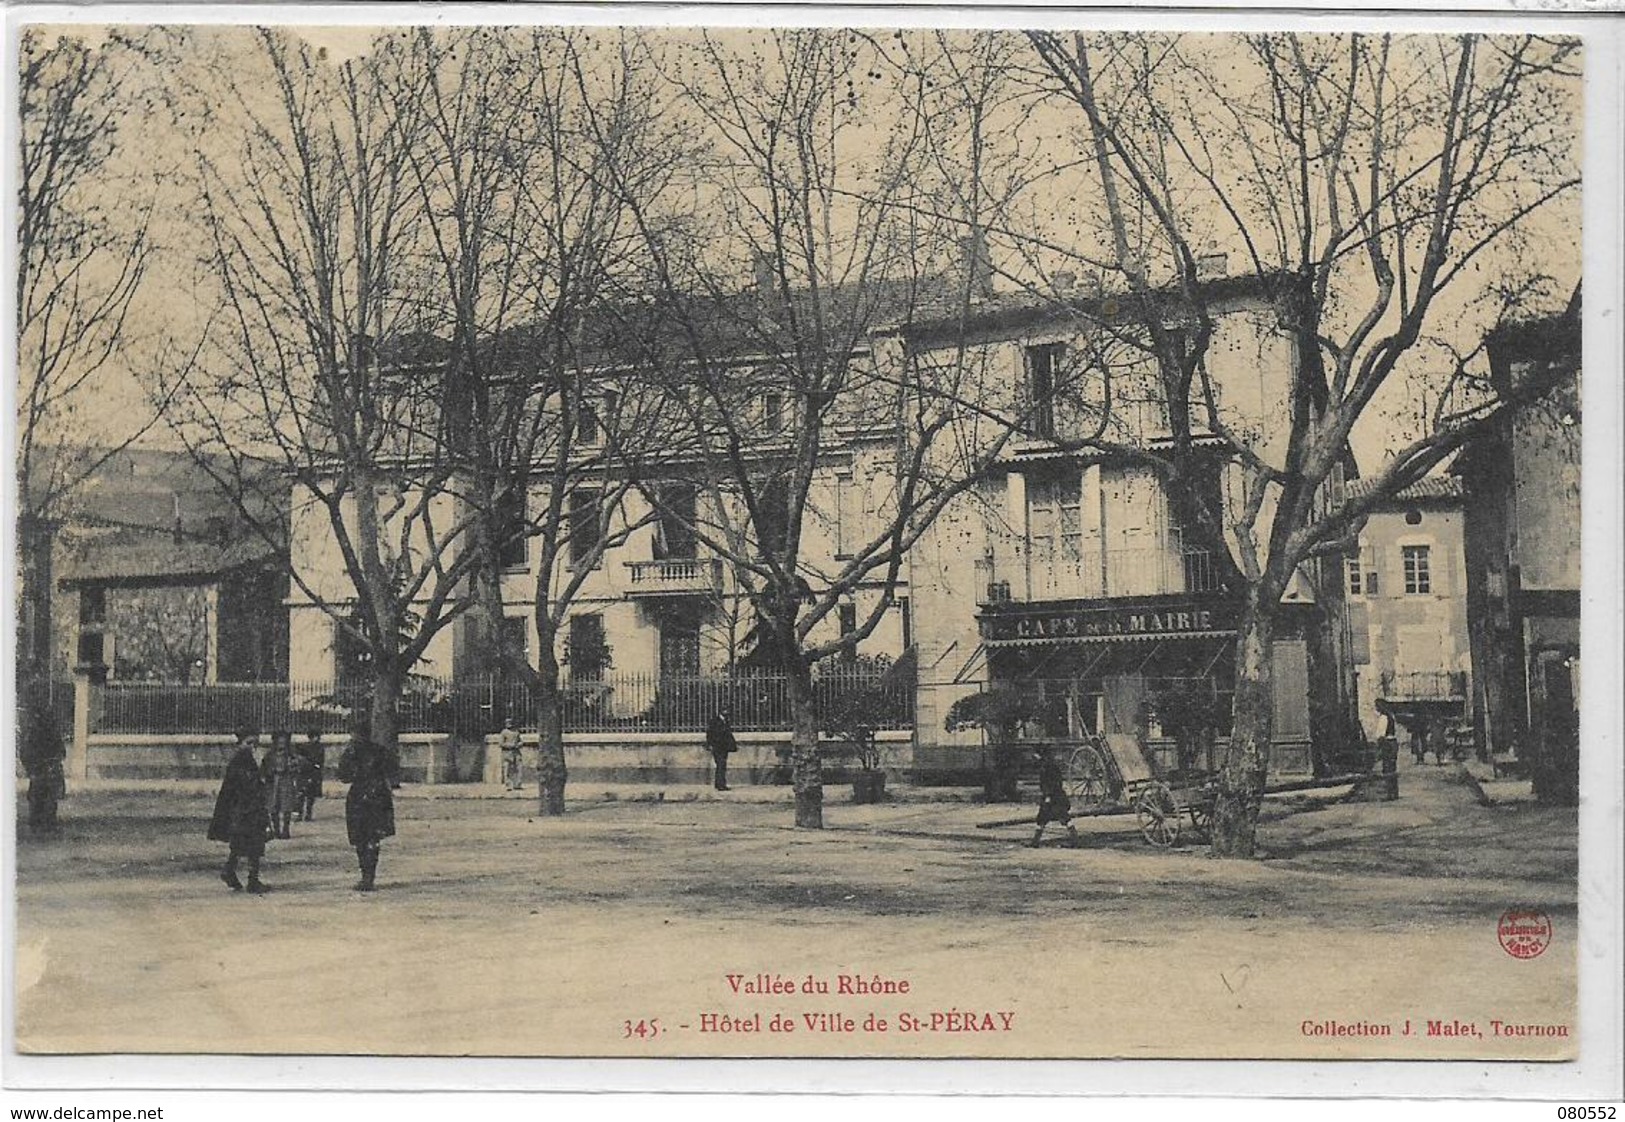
(438, 758)
(762, 758)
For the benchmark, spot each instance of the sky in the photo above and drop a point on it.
(169, 298)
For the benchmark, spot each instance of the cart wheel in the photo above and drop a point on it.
(1159, 815)
(1086, 779)
(1201, 817)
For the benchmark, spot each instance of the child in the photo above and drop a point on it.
(279, 771)
(1053, 805)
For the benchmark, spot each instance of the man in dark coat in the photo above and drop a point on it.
(719, 738)
(1053, 803)
(369, 808)
(241, 818)
(312, 762)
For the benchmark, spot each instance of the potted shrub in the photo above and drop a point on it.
(999, 712)
(856, 719)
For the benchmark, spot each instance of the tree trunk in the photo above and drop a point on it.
(806, 769)
(385, 717)
(551, 772)
(1241, 779)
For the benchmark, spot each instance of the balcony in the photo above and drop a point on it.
(681, 576)
(1423, 685)
(1099, 575)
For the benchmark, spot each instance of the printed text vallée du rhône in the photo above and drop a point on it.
(805, 1017)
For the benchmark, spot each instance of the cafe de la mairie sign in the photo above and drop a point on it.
(1119, 620)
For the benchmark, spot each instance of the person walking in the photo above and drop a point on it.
(312, 763)
(513, 757)
(279, 772)
(719, 738)
(241, 819)
(369, 808)
(1053, 803)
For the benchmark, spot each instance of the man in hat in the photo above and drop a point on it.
(1053, 803)
(241, 818)
(719, 738)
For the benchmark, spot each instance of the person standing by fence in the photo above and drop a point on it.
(369, 808)
(312, 762)
(719, 738)
(241, 819)
(513, 758)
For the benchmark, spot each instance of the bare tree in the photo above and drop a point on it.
(1364, 178)
(83, 250)
(318, 364)
(812, 184)
(532, 143)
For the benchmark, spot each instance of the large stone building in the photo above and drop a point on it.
(1064, 570)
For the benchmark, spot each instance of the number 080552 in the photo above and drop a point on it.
(1587, 1112)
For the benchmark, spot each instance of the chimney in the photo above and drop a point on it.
(1211, 265)
(978, 264)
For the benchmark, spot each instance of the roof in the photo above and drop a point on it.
(135, 557)
(1434, 488)
(1015, 310)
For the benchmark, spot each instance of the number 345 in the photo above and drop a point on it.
(643, 1030)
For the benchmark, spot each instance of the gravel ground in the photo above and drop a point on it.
(498, 933)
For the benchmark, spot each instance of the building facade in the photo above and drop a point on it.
(1069, 575)
(1523, 559)
(1407, 607)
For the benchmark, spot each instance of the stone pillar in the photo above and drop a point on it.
(86, 701)
(211, 634)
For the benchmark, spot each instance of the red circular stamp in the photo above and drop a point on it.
(1524, 932)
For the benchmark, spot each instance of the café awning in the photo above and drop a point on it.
(1133, 637)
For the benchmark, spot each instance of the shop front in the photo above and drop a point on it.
(1161, 669)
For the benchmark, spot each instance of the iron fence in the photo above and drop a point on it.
(621, 702)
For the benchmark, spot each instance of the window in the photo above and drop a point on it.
(516, 636)
(772, 514)
(93, 604)
(1043, 374)
(679, 647)
(676, 537)
(1418, 579)
(1356, 585)
(848, 615)
(1055, 535)
(907, 621)
(510, 530)
(843, 516)
(586, 525)
(773, 412)
(587, 429)
(586, 651)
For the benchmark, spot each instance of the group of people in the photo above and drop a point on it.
(260, 797)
